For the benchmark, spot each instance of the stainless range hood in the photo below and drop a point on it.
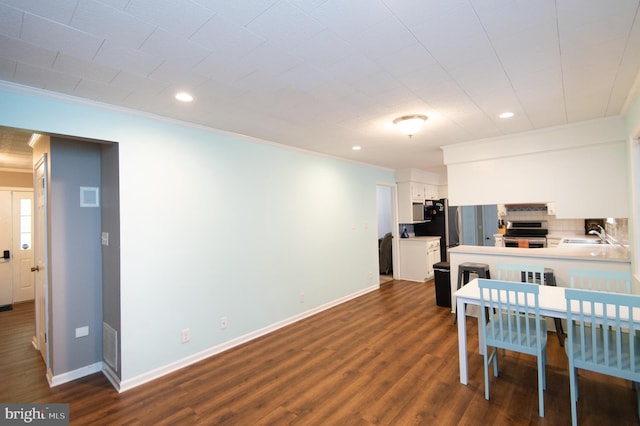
(526, 207)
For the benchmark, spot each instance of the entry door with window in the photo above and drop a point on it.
(16, 251)
(22, 254)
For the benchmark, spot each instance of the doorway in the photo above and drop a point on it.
(80, 167)
(16, 247)
(387, 232)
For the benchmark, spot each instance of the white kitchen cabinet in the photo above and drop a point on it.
(417, 257)
(407, 196)
(433, 256)
(410, 193)
(431, 192)
(553, 241)
(417, 192)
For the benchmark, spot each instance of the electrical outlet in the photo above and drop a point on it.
(224, 322)
(301, 297)
(186, 335)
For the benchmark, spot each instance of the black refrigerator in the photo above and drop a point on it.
(441, 221)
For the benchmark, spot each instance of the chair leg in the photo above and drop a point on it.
(573, 387)
(638, 400)
(487, 360)
(495, 362)
(541, 385)
(544, 370)
(559, 331)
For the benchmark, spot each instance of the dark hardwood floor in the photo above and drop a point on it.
(389, 358)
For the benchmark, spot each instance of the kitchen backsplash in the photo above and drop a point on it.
(617, 228)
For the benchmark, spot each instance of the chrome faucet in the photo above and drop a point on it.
(602, 234)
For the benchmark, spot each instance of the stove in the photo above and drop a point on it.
(526, 234)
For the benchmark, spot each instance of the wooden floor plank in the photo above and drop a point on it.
(388, 357)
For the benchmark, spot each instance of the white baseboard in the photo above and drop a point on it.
(111, 376)
(133, 382)
(73, 375)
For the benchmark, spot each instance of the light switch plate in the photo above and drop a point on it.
(82, 331)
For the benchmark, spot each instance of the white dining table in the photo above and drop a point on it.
(551, 301)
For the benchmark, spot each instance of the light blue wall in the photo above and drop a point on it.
(214, 225)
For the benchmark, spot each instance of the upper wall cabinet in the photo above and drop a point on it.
(417, 192)
(581, 168)
(410, 193)
(420, 192)
(413, 188)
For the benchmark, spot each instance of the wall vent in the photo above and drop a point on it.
(89, 196)
(110, 346)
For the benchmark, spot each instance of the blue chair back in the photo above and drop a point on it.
(591, 279)
(521, 273)
(612, 349)
(513, 311)
(513, 315)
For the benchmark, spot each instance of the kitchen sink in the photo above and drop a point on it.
(582, 241)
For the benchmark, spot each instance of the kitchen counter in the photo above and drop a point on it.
(417, 257)
(561, 259)
(589, 252)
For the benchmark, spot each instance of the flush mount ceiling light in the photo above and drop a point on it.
(356, 148)
(506, 114)
(410, 124)
(184, 97)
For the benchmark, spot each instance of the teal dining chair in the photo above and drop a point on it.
(593, 279)
(511, 313)
(602, 337)
(533, 274)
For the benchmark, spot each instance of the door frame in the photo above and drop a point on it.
(395, 241)
(40, 254)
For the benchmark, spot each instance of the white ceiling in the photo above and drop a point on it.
(326, 75)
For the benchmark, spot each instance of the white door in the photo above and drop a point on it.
(40, 258)
(22, 253)
(6, 286)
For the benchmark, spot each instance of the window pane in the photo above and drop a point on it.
(25, 207)
(25, 224)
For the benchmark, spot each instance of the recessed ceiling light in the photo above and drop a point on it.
(506, 114)
(356, 148)
(184, 97)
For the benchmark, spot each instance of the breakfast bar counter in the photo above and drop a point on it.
(561, 259)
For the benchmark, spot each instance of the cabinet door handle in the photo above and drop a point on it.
(35, 268)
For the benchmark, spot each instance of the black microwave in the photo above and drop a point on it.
(433, 208)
